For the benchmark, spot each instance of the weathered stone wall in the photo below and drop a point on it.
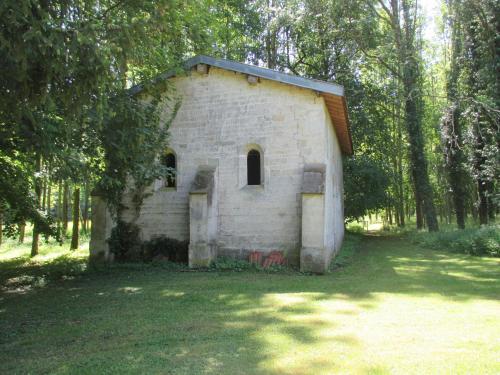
(221, 118)
(334, 194)
(102, 224)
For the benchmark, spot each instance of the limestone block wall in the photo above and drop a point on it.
(334, 194)
(221, 117)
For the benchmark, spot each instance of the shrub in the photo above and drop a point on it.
(230, 264)
(475, 241)
(238, 265)
(165, 247)
(124, 241)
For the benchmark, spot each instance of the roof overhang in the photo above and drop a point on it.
(332, 93)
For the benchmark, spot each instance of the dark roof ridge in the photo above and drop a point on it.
(273, 75)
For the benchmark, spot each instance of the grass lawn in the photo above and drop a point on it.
(392, 308)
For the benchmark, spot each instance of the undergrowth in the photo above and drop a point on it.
(481, 241)
(348, 249)
(238, 265)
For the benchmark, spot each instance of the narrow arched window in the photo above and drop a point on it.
(168, 160)
(253, 167)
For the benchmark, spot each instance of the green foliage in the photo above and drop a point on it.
(484, 240)
(124, 241)
(231, 264)
(17, 201)
(239, 265)
(365, 185)
(165, 248)
(65, 66)
(131, 139)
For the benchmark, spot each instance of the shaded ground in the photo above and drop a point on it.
(395, 308)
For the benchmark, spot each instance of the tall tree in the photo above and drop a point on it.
(413, 119)
(451, 125)
(63, 62)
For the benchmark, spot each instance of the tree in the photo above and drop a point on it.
(76, 219)
(63, 62)
(365, 187)
(399, 22)
(451, 124)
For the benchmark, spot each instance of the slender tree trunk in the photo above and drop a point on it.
(59, 205)
(76, 219)
(85, 215)
(449, 208)
(481, 182)
(418, 212)
(491, 203)
(38, 193)
(1, 227)
(483, 202)
(49, 192)
(65, 207)
(401, 204)
(44, 193)
(22, 231)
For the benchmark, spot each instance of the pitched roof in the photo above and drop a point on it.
(332, 93)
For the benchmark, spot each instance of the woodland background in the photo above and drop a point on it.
(424, 113)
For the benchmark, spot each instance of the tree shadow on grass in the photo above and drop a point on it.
(155, 321)
(398, 266)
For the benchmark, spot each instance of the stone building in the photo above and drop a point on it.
(258, 161)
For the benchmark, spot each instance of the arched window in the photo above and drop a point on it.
(253, 167)
(169, 161)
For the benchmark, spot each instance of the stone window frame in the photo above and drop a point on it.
(242, 165)
(164, 186)
(254, 172)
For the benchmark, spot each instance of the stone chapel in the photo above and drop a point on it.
(257, 156)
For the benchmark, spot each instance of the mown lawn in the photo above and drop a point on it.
(391, 308)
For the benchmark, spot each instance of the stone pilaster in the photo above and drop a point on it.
(313, 251)
(203, 218)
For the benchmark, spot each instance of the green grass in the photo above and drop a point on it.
(388, 307)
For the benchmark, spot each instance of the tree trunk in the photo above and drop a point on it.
(76, 219)
(44, 193)
(481, 182)
(49, 192)
(1, 227)
(59, 206)
(418, 212)
(483, 201)
(449, 208)
(85, 215)
(451, 126)
(22, 231)
(38, 194)
(65, 205)
(491, 204)
(414, 122)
